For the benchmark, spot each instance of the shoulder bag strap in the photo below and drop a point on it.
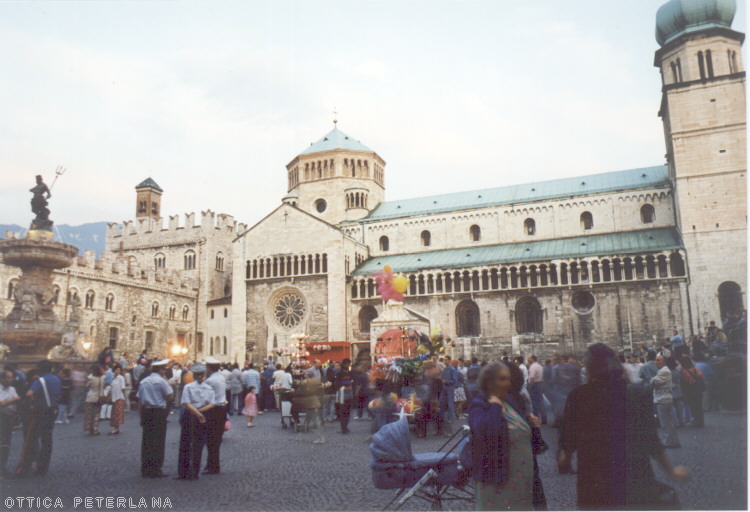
(46, 394)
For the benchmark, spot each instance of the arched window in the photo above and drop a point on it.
(676, 265)
(212, 314)
(160, 261)
(701, 66)
(220, 262)
(172, 312)
(529, 227)
(475, 233)
(709, 64)
(467, 319)
(648, 214)
(12, 288)
(384, 243)
(189, 260)
(587, 221)
(426, 238)
(226, 351)
(211, 346)
(186, 312)
(155, 310)
(529, 316)
(366, 315)
(89, 303)
(109, 302)
(226, 312)
(730, 298)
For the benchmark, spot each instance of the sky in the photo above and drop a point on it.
(213, 99)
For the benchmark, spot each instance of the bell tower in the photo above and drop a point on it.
(703, 111)
(337, 178)
(148, 200)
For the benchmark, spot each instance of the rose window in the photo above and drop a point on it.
(289, 310)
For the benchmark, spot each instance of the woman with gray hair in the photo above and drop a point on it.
(503, 460)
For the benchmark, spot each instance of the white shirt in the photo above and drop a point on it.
(7, 393)
(278, 375)
(176, 375)
(198, 394)
(154, 390)
(117, 384)
(286, 380)
(226, 374)
(536, 372)
(219, 384)
(525, 372)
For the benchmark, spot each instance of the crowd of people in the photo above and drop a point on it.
(614, 411)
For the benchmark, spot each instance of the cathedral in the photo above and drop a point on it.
(546, 267)
(622, 257)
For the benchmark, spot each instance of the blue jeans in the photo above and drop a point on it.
(446, 406)
(62, 412)
(537, 399)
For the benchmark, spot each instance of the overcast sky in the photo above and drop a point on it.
(213, 99)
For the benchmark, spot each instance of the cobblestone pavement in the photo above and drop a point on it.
(267, 468)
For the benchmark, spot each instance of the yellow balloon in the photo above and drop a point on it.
(400, 284)
(387, 268)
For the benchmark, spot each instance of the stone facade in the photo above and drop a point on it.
(704, 114)
(119, 304)
(300, 269)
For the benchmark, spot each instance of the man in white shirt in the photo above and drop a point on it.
(535, 387)
(519, 362)
(197, 398)
(8, 398)
(662, 385)
(278, 378)
(216, 416)
(154, 394)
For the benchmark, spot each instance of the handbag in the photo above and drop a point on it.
(106, 396)
(538, 444)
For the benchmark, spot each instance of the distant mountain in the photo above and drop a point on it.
(91, 235)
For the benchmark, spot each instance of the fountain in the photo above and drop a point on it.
(32, 331)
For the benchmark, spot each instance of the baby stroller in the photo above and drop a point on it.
(290, 410)
(434, 477)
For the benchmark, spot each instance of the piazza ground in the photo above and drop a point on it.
(267, 468)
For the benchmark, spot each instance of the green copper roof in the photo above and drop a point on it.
(335, 139)
(678, 17)
(149, 183)
(611, 244)
(514, 194)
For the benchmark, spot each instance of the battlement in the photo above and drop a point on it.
(209, 221)
(115, 267)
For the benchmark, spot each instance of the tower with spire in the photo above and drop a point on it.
(703, 111)
(336, 178)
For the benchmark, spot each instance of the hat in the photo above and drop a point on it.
(198, 368)
(212, 360)
(163, 362)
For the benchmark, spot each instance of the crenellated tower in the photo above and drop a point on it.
(337, 178)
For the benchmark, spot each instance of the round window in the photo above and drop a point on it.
(289, 310)
(583, 302)
(321, 205)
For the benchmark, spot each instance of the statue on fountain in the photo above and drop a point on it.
(39, 205)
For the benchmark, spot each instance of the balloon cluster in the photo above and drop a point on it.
(391, 287)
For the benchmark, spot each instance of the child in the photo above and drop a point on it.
(251, 406)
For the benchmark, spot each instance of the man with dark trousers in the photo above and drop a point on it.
(196, 402)
(154, 394)
(44, 395)
(216, 416)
